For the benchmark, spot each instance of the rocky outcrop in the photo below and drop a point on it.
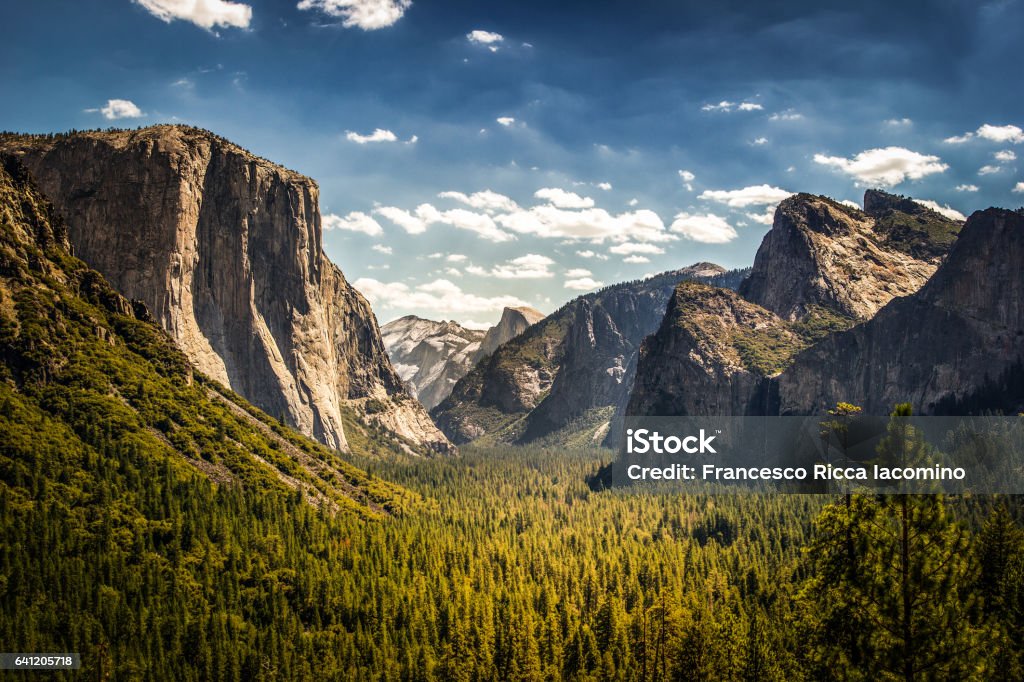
(430, 356)
(712, 355)
(225, 250)
(565, 376)
(955, 347)
(514, 321)
(823, 255)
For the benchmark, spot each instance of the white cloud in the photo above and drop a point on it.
(439, 296)
(636, 259)
(787, 115)
(486, 200)
(606, 186)
(726, 106)
(203, 13)
(594, 224)
(587, 253)
(357, 221)
(899, 122)
(426, 215)
(484, 37)
(456, 257)
(1007, 133)
(1005, 156)
(119, 108)
(755, 195)
(560, 198)
(368, 15)
(505, 120)
(452, 272)
(629, 248)
(530, 266)
(707, 229)
(378, 135)
(943, 210)
(1019, 187)
(633, 202)
(578, 272)
(989, 170)
(583, 284)
(760, 141)
(966, 188)
(687, 177)
(851, 204)
(380, 248)
(888, 166)
(765, 218)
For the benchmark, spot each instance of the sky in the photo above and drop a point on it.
(475, 154)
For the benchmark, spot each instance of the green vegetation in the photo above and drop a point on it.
(922, 233)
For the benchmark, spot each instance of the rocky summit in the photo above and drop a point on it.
(224, 248)
(801, 343)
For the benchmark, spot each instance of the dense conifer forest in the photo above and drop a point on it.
(156, 524)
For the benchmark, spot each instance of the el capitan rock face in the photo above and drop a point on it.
(225, 250)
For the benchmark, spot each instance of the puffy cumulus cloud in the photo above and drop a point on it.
(484, 37)
(453, 272)
(755, 195)
(1018, 188)
(485, 200)
(606, 186)
(456, 257)
(588, 253)
(989, 169)
(583, 284)
(563, 199)
(1005, 156)
(578, 272)
(727, 106)
(380, 248)
(966, 188)
(950, 213)
(759, 142)
(357, 221)
(506, 121)
(368, 15)
(851, 204)
(629, 248)
(439, 296)
(425, 215)
(1008, 133)
(378, 135)
(765, 218)
(707, 229)
(530, 266)
(593, 224)
(885, 166)
(117, 108)
(687, 177)
(636, 259)
(207, 14)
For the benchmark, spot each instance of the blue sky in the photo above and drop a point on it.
(476, 154)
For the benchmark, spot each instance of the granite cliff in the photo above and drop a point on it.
(951, 346)
(224, 248)
(563, 378)
(513, 322)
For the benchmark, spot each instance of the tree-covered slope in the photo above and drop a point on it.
(144, 510)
